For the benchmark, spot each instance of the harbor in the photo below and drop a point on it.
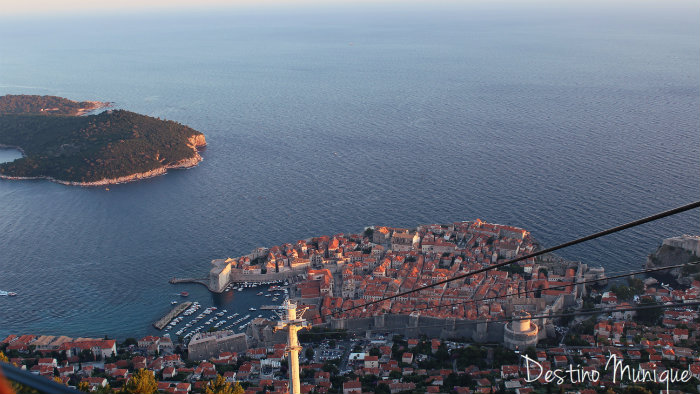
(233, 309)
(250, 280)
(163, 321)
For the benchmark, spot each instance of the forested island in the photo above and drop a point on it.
(114, 146)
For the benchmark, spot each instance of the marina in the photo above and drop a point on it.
(163, 321)
(227, 313)
(236, 284)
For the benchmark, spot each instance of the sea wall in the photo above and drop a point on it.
(413, 326)
(239, 275)
(206, 345)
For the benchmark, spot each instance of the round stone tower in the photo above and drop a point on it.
(521, 333)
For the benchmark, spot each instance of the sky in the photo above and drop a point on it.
(29, 7)
(62, 7)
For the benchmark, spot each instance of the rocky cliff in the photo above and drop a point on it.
(667, 255)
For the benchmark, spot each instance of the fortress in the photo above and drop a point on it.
(223, 272)
(520, 334)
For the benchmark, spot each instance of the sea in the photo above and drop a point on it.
(564, 118)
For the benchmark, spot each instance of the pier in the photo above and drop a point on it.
(179, 308)
(270, 307)
(201, 281)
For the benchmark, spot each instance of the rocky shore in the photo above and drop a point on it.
(667, 255)
(95, 105)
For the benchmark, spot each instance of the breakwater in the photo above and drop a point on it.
(163, 321)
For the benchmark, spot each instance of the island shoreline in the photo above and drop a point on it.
(182, 165)
(3, 146)
(95, 106)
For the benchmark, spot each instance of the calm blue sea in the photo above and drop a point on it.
(560, 118)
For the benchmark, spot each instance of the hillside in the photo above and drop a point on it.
(111, 147)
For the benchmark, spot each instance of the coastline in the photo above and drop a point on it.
(196, 142)
(95, 106)
(3, 146)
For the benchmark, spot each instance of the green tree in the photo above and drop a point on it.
(330, 367)
(220, 386)
(443, 355)
(636, 284)
(104, 390)
(368, 381)
(623, 292)
(649, 316)
(309, 352)
(306, 374)
(453, 380)
(502, 356)
(238, 389)
(531, 352)
(471, 355)
(142, 382)
(84, 387)
(86, 355)
(382, 388)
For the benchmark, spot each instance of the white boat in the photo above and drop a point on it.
(252, 309)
